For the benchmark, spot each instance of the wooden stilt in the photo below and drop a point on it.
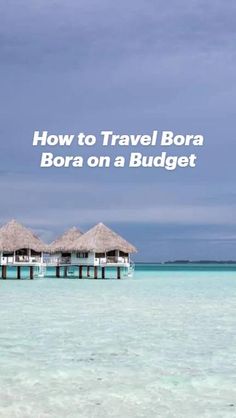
(118, 272)
(31, 272)
(58, 271)
(80, 272)
(95, 272)
(4, 272)
(103, 272)
(88, 271)
(18, 272)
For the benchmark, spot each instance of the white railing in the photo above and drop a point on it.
(27, 259)
(57, 260)
(20, 260)
(111, 260)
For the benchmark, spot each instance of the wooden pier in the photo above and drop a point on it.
(4, 271)
(84, 271)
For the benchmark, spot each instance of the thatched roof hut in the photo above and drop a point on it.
(14, 236)
(66, 241)
(100, 238)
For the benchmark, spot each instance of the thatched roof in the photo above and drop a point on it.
(14, 236)
(100, 239)
(65, 242)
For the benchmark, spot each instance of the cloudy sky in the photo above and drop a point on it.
(130, 67)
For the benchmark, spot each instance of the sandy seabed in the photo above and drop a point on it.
(158, 345)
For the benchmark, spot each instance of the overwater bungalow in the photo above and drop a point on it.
(100, 247)
(20, 247)
(60, 250)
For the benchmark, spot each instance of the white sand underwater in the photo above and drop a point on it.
(158, 345)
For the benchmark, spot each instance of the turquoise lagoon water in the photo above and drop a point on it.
(140, 269)
(162, 344)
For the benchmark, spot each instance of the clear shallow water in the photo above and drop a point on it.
(162, 344)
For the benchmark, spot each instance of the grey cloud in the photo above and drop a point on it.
(130, 67)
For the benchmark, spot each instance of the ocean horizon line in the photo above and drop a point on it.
(188, 262)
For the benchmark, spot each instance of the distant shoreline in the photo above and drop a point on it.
(186, 262)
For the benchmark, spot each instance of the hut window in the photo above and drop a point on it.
(7, 254)
(22, 251)
(82, 255)
(100, 255)
(122, 254)
(35, 253)
(111, 253)
(65, 254)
